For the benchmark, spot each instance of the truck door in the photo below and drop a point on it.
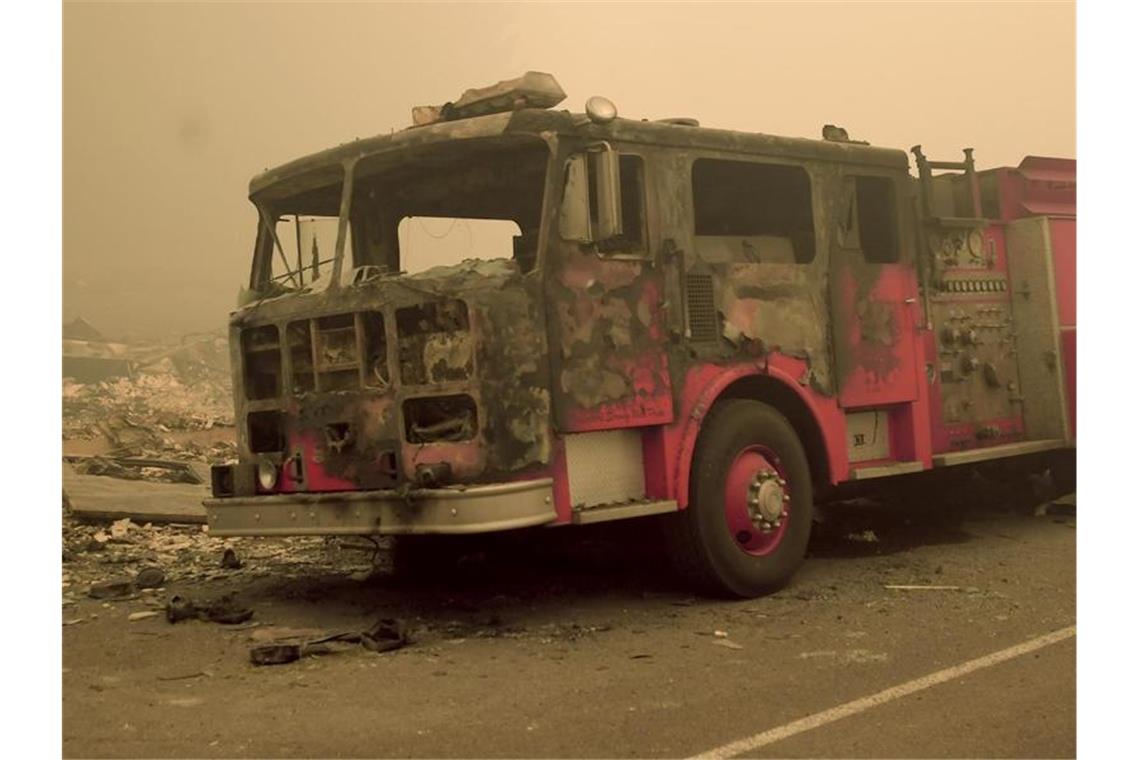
(605, 301)
(873, 293)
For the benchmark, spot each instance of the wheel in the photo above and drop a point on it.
(746, 528)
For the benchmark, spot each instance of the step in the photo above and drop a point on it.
(884, 470)
(621, 511)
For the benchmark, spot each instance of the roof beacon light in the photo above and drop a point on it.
(533, 89)
(601, 110)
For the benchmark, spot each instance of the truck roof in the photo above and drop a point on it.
(534, 121)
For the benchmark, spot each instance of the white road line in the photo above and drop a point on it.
(818, 719)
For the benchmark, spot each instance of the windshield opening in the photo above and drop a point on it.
(307, 249)
(432, 241)
(436, 206)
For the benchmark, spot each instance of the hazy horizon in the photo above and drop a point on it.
(169, 109)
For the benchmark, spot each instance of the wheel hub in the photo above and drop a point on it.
(767, 500)
(756, 500)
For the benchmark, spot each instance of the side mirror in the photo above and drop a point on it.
(607, 189)
(591, 196)
(574, 216)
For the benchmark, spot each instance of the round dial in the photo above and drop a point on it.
(974, 243)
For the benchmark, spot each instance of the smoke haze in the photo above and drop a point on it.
(169, 109)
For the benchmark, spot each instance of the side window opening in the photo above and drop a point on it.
(752, 212)
(871, 219)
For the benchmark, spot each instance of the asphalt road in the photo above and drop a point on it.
(589, 648)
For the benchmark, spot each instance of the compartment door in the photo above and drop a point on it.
(873, 293)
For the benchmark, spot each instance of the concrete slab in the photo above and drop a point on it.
(98, 497)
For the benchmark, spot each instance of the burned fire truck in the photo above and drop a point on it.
(706, 325)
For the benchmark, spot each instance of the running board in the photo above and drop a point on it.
(621, 511)
(997, 452)
(884, 470)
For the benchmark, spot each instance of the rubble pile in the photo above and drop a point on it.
(123, 558)
(126, 470)
(173, 389)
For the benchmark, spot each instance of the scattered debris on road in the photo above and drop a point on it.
(186, 676)
(385, 635)
(150, 577)
(222, 610)
(112, 589)
(728, 644)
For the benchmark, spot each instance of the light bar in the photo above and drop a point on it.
(533, 89)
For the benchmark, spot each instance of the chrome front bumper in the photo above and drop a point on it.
(457, 509)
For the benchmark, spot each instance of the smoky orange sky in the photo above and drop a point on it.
(169, 109)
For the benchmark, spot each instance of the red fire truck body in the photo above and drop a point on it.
(706, 325)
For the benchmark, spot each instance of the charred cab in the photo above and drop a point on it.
(374, 380)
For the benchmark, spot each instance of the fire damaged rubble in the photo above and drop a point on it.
(173, 391)
(177, 576)
(139, 443)
(126, 560)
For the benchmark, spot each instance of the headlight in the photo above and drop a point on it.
(266, 474)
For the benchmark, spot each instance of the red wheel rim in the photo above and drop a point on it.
(757, 501)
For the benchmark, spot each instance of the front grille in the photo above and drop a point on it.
(288, 367)
(342, 352)
(338, 352)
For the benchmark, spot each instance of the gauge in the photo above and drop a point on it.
(975, 244)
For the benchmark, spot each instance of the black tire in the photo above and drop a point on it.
(700, 543)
